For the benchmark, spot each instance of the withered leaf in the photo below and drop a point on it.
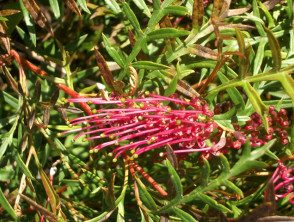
(7, 12)
(171, 156)
(37, 14)
(276, 219)
(104, 69)
(23, 80)
(203, 51)
(3, 37)
(46, 115)
(54, 97)
(72, 5)
(134, 80)
(10, 79)
(24, 142)
(37, 92)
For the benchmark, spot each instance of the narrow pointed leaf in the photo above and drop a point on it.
(6, 205)
(234, 94)
(51, 193)
(184, 216)
(22, 166)
(213, 203)
(37, 14)
(149, 65)
(275, 48)
(83, 5)
(288, 84)
(234, 188)
(175, 10)
(4, 39)
(55, 8)
(205, 171)
(131, 16)
(256, 102)
(29, 23)
(166, 33)
(72, 5)
(248, 159)
(145, 196)
(243, 63)
(113, 52)
(142, 5)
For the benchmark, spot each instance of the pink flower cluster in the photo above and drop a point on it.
(147, 123)
(283, 180)
(138, 125)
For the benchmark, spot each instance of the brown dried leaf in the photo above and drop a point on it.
(37, 91)
(171, 156)
(276, 219)
(23, 80)
(239, 11)
(37, 14)
(104, 69)
(271, 4)
(54, 97)
(24, 142)
(31, 119)
(132, 38)
(73, 6)
(134, 80)
(46, 116)
(7, 12)
(203, 52)
(63, 113)
(3, 37)
(186, 89)
(10, 79)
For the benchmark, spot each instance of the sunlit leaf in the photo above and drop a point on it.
(275, 48)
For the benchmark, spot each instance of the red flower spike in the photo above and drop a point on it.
(138, 125)
(142, 124)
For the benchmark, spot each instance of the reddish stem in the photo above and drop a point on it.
(74, 94)
(25, 63)
(156, 186)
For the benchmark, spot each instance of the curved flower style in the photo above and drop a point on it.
(283, 180)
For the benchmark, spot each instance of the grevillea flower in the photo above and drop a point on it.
(283, 180)
(138, 125)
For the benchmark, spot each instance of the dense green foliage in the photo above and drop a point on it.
(237, 55)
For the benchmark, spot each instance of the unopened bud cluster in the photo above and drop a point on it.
(278, 124)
